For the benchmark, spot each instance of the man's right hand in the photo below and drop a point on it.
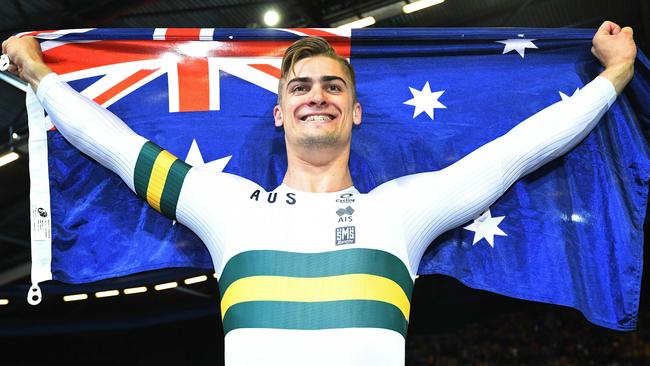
(26, 59)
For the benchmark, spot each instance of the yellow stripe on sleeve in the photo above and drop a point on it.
(158, 178)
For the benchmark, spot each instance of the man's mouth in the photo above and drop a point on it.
(317, 118)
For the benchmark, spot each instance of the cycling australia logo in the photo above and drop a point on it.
(345, 198)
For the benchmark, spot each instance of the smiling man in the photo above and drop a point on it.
(317, 105)
(334, 286)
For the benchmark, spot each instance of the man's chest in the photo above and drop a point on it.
(303, 222)
(336, 260)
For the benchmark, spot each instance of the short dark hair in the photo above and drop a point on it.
(311, 47)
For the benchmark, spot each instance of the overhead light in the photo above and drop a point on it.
(165, 286)
(76, 297)
(197, 279)
(8, 158)
(135, 290)
(4, 302)
(271, 18)
(108, 293)
(419, 5)
(360, 23)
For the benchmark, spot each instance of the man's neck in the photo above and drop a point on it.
(318, 171)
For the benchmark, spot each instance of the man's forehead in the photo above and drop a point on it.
(317, 67)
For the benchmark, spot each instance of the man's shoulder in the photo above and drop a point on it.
(203, 178)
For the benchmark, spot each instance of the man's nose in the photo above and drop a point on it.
(317, 96)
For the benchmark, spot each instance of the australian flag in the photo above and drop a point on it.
(570, 233)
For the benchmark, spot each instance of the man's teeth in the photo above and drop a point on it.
(318, 118)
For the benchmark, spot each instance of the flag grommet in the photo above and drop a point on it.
(34, 295)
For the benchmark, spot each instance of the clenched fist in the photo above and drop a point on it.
(614, 47)
(26, 59)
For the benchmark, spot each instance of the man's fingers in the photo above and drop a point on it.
(5, 44)
(608, 28)
(628, 30)
(605, 28)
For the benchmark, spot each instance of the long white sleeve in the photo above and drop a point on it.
(555, 130)
(92, 129)
(435, 202)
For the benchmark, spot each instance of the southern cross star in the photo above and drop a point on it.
(517, 44)
(486, 226)
(425, 101)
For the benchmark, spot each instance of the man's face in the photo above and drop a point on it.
(317, 106)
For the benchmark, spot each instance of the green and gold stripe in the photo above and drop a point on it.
(315, 315)
(158, 178)
(339, 289)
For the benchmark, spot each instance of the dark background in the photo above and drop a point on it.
(450, 324)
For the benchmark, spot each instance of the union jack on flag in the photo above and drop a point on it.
(191, 58)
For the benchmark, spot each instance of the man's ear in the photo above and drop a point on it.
(356, 114)
(277, 115)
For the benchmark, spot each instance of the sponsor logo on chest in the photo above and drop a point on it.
(346, 198)
(345, 214)
(345, 234)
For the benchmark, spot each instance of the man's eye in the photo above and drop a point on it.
(298, 88)
(333, 88)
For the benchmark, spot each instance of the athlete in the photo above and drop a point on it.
(333, 287)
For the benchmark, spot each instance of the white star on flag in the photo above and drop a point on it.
(517, 44)
(486, 226)
(564, 96)
(195, 158)
(425, 101)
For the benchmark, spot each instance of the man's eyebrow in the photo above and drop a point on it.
(327, 78)
(324, 79)
(300, 80)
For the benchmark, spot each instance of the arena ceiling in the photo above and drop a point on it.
(24, 15)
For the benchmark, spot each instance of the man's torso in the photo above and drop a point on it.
(318, 278)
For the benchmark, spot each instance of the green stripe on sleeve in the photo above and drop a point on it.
(172, 188)
(144, 166)
(315, 315)
(348, 261)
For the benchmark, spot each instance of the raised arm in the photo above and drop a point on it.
(465, 189)
(558, 128)
(154, 174)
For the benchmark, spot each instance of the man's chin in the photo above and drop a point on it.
(319, 142)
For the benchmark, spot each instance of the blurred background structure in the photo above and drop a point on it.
(450, 324)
